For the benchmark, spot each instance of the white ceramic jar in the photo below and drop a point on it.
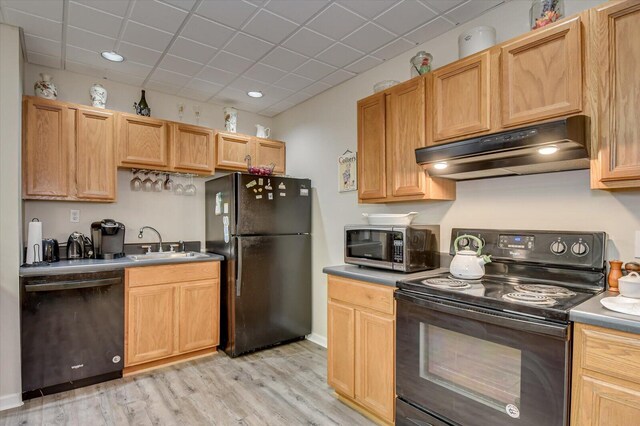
(230, 119)
(475, 40)
(98, 96)
(45, 87)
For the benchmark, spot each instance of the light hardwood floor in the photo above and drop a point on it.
(285, 385)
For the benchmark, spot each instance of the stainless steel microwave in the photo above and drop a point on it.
(408, 248)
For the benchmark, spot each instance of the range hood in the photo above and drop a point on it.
(543, 148)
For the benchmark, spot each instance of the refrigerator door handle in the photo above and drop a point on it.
(239, 273)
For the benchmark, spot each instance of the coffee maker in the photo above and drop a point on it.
(108, 239)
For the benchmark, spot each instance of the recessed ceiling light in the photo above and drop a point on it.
(255, 94)
(112, 56)
(440, 166)
(548, 150)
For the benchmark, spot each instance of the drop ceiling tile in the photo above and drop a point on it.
(35, 25)
(368, 38)
(145, 36)
(85, 69)
(339, 55)
(443, 5)
(115, 7)
(275, 94)
(246, 84)
(50, 9)
(94, 20)
(364, 64)
(367, 8)
(182, 4)
(121, 77)
(230, 62)
(405, 16)
(284, 59)
(336, 22)
(84, 56)
(42, 45)
(209, 89)
(139, 54)
(170, 77)
(180, 65)
(315, 70)
(196, 95)
(430, 30)
(269, 27)
(231, 95)
(299, 97)
(214, 75)
(131, 68)
(46, 60)
(248, 46)
(206, 31)
(308, 42)
(293, 82)
(162, 87)
(192, 50)
(338, 77)
(264, 73)
(158, 15)
(233, 13)
(282, 105)
(470, 10)
(296, 10)
(393, 49)
(88, 40)
(316, 88)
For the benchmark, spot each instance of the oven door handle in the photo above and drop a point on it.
(499, 318)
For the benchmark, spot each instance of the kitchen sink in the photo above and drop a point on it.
(166, 255)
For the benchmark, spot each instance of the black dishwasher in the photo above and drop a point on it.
(72, 330)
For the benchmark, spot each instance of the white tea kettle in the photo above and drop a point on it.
(262, 132)
(468, 264)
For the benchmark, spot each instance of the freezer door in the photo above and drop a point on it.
(273, 205)
(272, 291)
(220, 213)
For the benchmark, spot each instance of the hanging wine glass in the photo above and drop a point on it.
(136, 182)
(147, 183)
(190, 189)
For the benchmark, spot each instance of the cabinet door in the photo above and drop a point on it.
(46, 149)
(341, 348)
(192, 149)
(231, 150)
(617, 34)
(150, 323)
(372, 180)
(604, 402)
(375, 363)
(268, 152)
(142, 141)
(95, 158)
(542, 74)
(406, 133)
(461, 101)
(199, 315)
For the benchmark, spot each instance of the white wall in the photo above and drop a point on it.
(322, 128)
(10, 205)
(177, 218)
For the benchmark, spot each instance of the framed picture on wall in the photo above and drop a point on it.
(348, 172)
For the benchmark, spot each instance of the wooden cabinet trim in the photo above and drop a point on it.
(341, 348)
(376, 297)
(372, 161)
(197, 159)
(263, 147)
(166, 274)
(223, 161)
(198, 320)
(126, 143)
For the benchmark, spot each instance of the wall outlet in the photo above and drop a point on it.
(637, 245)
(74, 216)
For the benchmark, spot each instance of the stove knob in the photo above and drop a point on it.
(580, 249)
(474, 243)
(463, 242)
(558, 247)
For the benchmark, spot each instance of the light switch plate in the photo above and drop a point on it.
(74, 216)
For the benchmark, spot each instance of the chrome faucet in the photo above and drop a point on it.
(154, 230)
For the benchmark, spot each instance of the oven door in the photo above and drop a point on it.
(474, 366)
(369, 246)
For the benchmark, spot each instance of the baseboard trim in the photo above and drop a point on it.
(317, 339)
(12, 400)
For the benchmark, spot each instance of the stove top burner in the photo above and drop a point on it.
(529, 299)
(447, 283)
(544, 290)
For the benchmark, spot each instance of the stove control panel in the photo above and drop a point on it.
(562, 248)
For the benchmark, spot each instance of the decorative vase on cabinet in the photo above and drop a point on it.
(45, 87)
(142, 108)
(98, 96)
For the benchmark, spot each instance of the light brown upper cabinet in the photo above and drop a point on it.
(542, 74)
(615, 38)
(192, 148)
(233, 148)
(461, 98)
(391, 125)
(68, 152)
(142, 142)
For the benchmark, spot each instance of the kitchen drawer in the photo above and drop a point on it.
(610, 352)
(151, 275)
(372, 296)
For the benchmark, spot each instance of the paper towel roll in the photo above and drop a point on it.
(34, 236)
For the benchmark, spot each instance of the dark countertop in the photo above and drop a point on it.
(92, 265)
(592, 312)
(377, 276)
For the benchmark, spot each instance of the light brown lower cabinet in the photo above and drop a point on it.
(361, 345)
(171, 313)
(606, 377)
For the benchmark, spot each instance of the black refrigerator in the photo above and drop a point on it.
(262, 226)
